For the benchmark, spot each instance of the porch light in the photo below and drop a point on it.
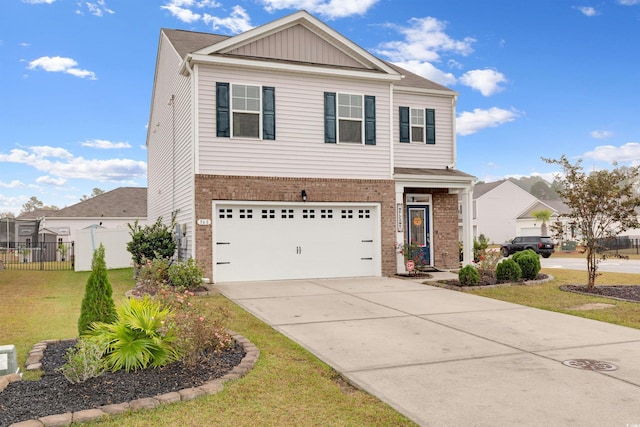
(304, 195)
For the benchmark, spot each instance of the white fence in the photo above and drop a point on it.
(114, 241)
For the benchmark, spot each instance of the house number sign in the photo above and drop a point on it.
(204, 221)
(399, 217)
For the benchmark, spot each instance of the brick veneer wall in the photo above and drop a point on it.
(446, 252)
(217, 187)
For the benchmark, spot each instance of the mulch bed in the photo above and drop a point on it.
(53, 394)
(619, 292)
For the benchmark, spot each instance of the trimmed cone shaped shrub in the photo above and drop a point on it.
(468, 276)
(508, 271)
(97, 304)
(529, 263)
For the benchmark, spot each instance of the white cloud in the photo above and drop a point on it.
(47, 180)
(328, 8)
(97, 8)
(587, 10)
(183, 9)
(38, 1)
(238, 22)
(424, 40)
(105, 145)
(13, 184)
(601, 134)
(59, 64)
(59, 163)
(628, 2)
(423, 45)
(468, 123)
(427, 70)
(486, 81)
(629, 152)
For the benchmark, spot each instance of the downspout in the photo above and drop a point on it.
(391, 133)
(194, 165)
(454, 101)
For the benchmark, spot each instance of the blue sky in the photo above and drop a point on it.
(535, 78)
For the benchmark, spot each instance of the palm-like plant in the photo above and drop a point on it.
(543, 215)
(138, 338)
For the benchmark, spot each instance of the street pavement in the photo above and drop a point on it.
(616, 265)
(447, 358)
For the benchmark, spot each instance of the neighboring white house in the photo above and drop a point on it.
(74, 228)
(290, 152)
(502, 210)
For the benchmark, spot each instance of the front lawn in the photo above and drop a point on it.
(287, 387)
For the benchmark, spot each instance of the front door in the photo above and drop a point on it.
(418, 234)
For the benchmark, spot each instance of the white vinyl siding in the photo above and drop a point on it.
(170, 148)
(421, 155)
(300, 149)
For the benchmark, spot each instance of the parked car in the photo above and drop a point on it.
(542, 245)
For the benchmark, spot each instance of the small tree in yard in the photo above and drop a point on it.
(150, 242)
(97, 304)
(602, 204)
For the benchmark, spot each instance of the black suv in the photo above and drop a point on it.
(540, 244)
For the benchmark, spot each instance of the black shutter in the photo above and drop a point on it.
(268, 112)
(330, 117)
(222, 110)
(370, 120)
(431, 126)
(404, 124)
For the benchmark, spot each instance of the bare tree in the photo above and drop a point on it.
(602, 203)
(95, 192)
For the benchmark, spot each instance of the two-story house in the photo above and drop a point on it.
(289, 152)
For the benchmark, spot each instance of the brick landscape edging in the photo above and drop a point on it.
(210, 387)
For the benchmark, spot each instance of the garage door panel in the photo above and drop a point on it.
(267, 242)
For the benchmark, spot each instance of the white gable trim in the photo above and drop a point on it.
(312, 24)
(280, 66)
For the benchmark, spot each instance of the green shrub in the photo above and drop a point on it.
(508, 271)
(529, 263)
(151, 241)
(97, 304)
(468, 276)
(479, 246)
(154, 275)
(185, 276)
(139, 338)
(199, 329)
(84, 361)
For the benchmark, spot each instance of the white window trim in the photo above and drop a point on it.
(233, 110)
(338, 118)
(423, 126)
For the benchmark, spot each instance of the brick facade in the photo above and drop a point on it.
(245, 188)
(269, 189)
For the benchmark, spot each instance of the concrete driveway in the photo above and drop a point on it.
(446, 358)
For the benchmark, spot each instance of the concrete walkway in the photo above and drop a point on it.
(446, 358)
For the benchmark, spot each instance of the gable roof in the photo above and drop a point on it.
(122, 202)
(332, 51)
(480, 190)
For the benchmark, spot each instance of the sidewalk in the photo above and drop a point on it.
(447, 358)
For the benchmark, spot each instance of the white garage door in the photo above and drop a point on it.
(291, 241)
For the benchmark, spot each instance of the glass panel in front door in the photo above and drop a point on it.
(417, 226)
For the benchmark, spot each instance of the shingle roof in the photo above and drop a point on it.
(482, 189)
(185, 42)
(124, 202)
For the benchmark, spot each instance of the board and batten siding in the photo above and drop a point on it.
(299, 149)
(297, 43)
(419, 154)
(170, 150)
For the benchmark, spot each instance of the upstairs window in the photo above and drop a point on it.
(245, 105)
(417, 125)
(350, 118)
(245, 111)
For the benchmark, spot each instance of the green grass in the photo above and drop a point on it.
(548, 296)
(287, 387)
